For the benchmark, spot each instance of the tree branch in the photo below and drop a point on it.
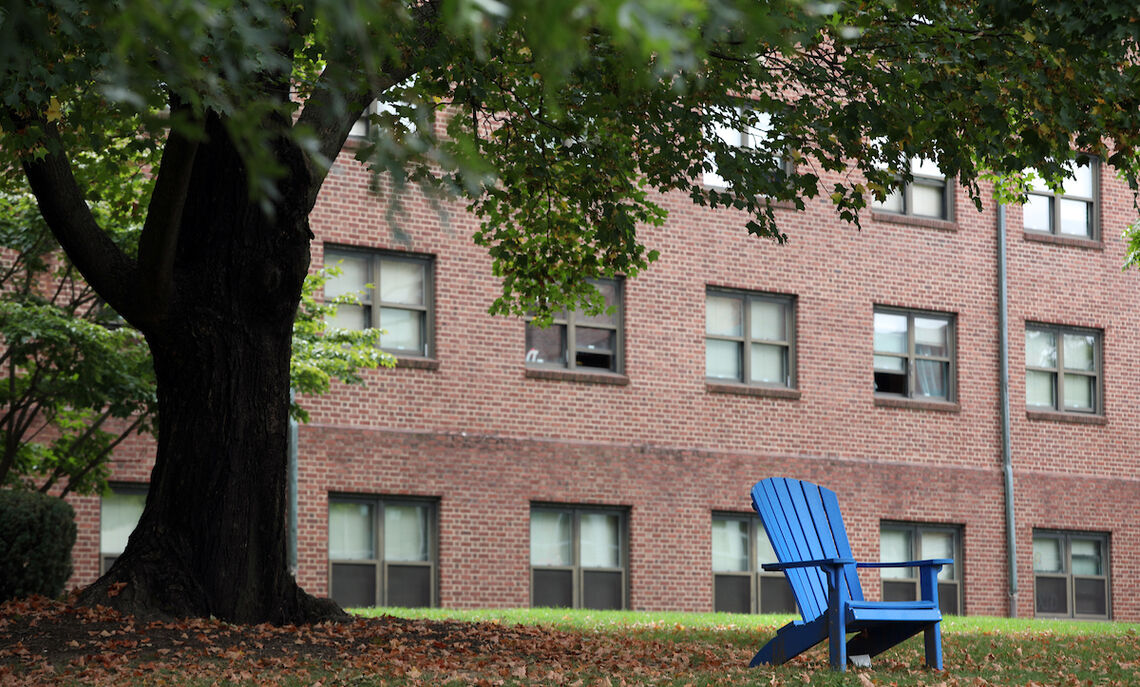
(62, 283)
(159, 237)
(75, 448)
(8, 459)
(100, 458)
(19, 418)
(324, 118)
(62, 205)
(328, 122)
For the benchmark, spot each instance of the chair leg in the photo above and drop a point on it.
(791, 640)
(837, 637)
(771, 654)
(933, 637)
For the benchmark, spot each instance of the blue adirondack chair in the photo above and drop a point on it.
(806, 529)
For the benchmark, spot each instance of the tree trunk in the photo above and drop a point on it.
(211, 540)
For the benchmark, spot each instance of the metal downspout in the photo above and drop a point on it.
(1003, 393)
(292, 543)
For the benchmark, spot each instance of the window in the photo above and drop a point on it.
(900, 542)
(1069, 212)
(382, 552)
(742, 136)
(924, 196)
(749, 338)
(578, 557)
(119, 512)
(914, 356)
(362, 125)
(1062, 377)
(579, 341)
(739, 547)
(1070, 574)
(395, 295)
(394, 106)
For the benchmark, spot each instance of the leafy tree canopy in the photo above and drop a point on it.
(76, 381)
(559, 120)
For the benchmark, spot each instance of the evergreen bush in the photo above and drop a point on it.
(37, 532)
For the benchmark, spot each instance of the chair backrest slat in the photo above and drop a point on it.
(781, 522)
(842, 545)
(805, 534)
(803, 522)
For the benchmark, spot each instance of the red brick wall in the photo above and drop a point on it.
(486, 440)
(485, 486)
(131, 464)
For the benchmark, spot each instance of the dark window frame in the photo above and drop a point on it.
(906, 189)
(1059, 372)
(1066, 537)
(789, 303)
(107, 559)
(755, 573)
(370, 297)
(379, 563)
(911, 358)
(572, 320)
(1055, 199)
(576, 570)
(915, 530)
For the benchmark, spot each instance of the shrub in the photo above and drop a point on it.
(36, 535)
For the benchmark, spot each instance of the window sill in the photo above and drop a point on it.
(747, 390)
(776, 204)
(576, 376)
(928, 222)
(1054, 616)
(781, 204)
(1057, 416)
(1075, 241)
(418, 363)
(916, 404)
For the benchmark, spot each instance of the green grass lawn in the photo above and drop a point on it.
(672, 624)
(50, 643)
(977, 650)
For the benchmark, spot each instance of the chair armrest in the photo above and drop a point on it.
(821, 563)
(929, 562)
(927, 575)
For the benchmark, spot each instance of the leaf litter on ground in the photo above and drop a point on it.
(45, 642)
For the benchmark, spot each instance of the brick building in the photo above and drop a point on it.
(607, 461)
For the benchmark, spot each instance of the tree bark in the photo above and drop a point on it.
(211, 540)
(215, 289)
